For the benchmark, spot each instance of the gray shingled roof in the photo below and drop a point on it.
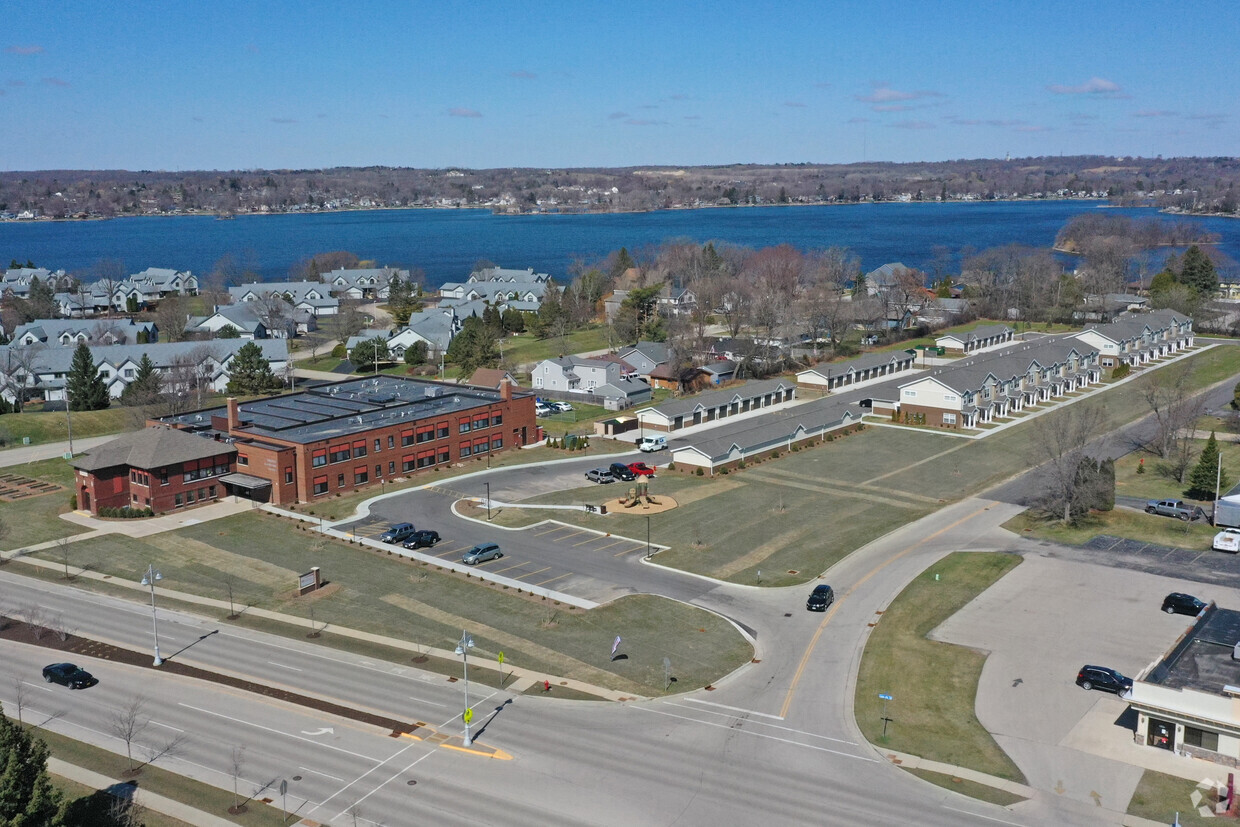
(150, 448)
(864, 362)
(714, 399)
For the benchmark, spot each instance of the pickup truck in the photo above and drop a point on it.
(1172, 508)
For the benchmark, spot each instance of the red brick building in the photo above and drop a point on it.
(158, 468)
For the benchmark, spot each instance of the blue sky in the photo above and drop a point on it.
(224, 85)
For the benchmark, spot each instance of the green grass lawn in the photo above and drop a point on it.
(89, 807)
(324, 361)
(1148, 528)
(524, 348)
(392, 596)
(1158, 483)
(36, 519)
(972, 789)
(1159, 797)
(934, 684)
(53, 426)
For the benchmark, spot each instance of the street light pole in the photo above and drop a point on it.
(149, 579)
(69, 418)
(488, 485)
(462, 648)
(647, 536)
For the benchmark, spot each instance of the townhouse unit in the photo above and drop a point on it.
(40, 371)
(871, 367)
(521, 290)
(595, 380)
(977, 390)
(977, 340)
(716, 405)
(311, 296)
(16, 281)
(1137, 338)
(144, 289)
(73, 332)
(252, 323)
(434, 327)
(363, 283)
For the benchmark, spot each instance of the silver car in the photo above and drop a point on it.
(481, 553)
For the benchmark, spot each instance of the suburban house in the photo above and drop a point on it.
(719, 371)
(311, 296)
(435, 327)
(490, 378)
(158, 468)
(941, 311)
(871, 367)
(979, 389)
(882, 279)
(502, 288)
(363, 283)
(73, 332)
(1137, 338)
(1106, 307)
(977, 340)
(252, 323)
(595, 379)
(645, 357)
(676, 301)
(682, 380)
(16, 281)
(344, 436)
(715, 405)
(196, 366)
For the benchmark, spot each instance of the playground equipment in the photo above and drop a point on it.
(639, 494)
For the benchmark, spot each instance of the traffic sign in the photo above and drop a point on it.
(884, 696)
(467, 715)
(501, 658)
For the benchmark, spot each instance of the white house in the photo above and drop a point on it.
(311, 296)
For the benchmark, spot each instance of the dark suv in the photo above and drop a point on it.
(1177, 603)
(397, 533)
(622, 472)
(1100, 677)
(422, 538)
(820, 599)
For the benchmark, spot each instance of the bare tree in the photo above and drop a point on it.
(22, 364)
(1175, 407)
(127, 723)
(1059, 444)
(32, 615)
(109, 273)
(238, 764)
(107, 332)
(4, 532)
(274, 311)
(57, 626)
(64, 552)
(172, 747)
(172, 317)
(20, 692)
(347, 322)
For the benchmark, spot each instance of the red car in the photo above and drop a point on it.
(641, 469)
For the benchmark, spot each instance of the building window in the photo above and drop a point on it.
(462, 426)
(134, 497)
(391, 441)
(480, 422)
(949, 419)
(242, 459)
(320, 485)
(177, 501)
(465, 449)
(360, 475)
(391, 468)
(377, 444)
(359, 448)
(406, 463)
(213, 492)
(319, 459)
(189, 497)
(426, 433)
(339, 453)
(406, 438)
(910, 394)
(288, 476)
(497, 443)
(163, 476)
(340, 480)
(1201, 738)
(441, 430)
(202, 493)
(444, 455)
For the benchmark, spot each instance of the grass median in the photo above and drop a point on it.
(257, 557)
(1122, 522)
(934, 685)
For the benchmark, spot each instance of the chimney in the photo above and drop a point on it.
(505, 389)
(234, 415)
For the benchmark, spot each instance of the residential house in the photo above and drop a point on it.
(716, 405)
(977, 340)
(1137, 338)
(676, 301)
(593, 379)
(882, 279)
(363, 283)
(645, 357)
(251, 323)
(72, 332)
(719, 371)
(871, 367)
(311, 296)
(491, 378)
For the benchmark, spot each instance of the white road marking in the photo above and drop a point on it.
(325, 775)
(399, 773)
(761, 735)
(773, 726)
(360, 777)
(167, 726)
(979, 815)
(424, 701)
(279, 732)
(282, 666)
(735, 709)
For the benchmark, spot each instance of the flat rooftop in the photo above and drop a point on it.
(1202, 660)
(344, 408)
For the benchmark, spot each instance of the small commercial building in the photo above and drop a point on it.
(831, 376)
(716, 405)
(1189, 701)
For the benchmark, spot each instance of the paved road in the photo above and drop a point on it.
(22, 454)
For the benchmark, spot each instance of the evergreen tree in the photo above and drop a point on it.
(1235, 397)
(416, 354)
(1205, 474)
(473, 348)
(623, 263)
(513, 321)
(1197, 271)
(85, 386)
(250, 373)
(41, 300)
(368, 353)
(228, 332)
(146, 385)
(493, 320)
(27, 796)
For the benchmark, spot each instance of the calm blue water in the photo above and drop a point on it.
(446, 243)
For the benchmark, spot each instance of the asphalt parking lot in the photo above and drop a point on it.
(1040, 624)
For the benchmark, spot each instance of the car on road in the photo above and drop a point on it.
(397, 533)
(1227, 540)
(422, 538)
(481, 553)
(1171, 508)
(68, 674)
(622, 472)
(600, 475)
(1178, 603)
(820, 599)
(1100, 677)
(652, 443)
(641, 469)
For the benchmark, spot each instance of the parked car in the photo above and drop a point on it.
(422, 538)
(1171, 508)
(542, 410)
(600, 475)
(820, 599)
(561, 407)
(652, 443)
(622, 472)
(68, 674)
(641, 469)
(481, 553)
(1227, 540)
(1100, 677)
(1178, 603)
(397, 533)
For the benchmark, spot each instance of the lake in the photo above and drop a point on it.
(446, 243)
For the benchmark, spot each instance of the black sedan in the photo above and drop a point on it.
(1177, 603)
(67, 674)
(820, 599)
(1100, 677)
(422, 538)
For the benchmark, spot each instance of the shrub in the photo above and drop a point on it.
(73, 501)
(860, 427)
(339, 352)
(830, 437)
(723, 471)
(1121, 371)
(671, 466)
(699, 472)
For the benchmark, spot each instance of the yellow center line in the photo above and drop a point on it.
(529, 573)
(796, 678)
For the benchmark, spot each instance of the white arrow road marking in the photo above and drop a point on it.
(324, 731)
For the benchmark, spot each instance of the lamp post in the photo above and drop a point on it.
(647, 536)
(488, 485)
(462, 648)
(149, 579)
(69, 418)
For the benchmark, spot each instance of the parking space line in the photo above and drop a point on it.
(513, 566)
(593, 538)
(609, 545)
(449, 553)
(547, 531)
(531, 573)
(553, 579)
(634, 550)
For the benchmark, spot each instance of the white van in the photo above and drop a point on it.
(652, 443)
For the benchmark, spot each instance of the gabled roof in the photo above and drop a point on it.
(656, 352)
(150, 448)
(864, 362)
(490, 378)
(714, 399)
